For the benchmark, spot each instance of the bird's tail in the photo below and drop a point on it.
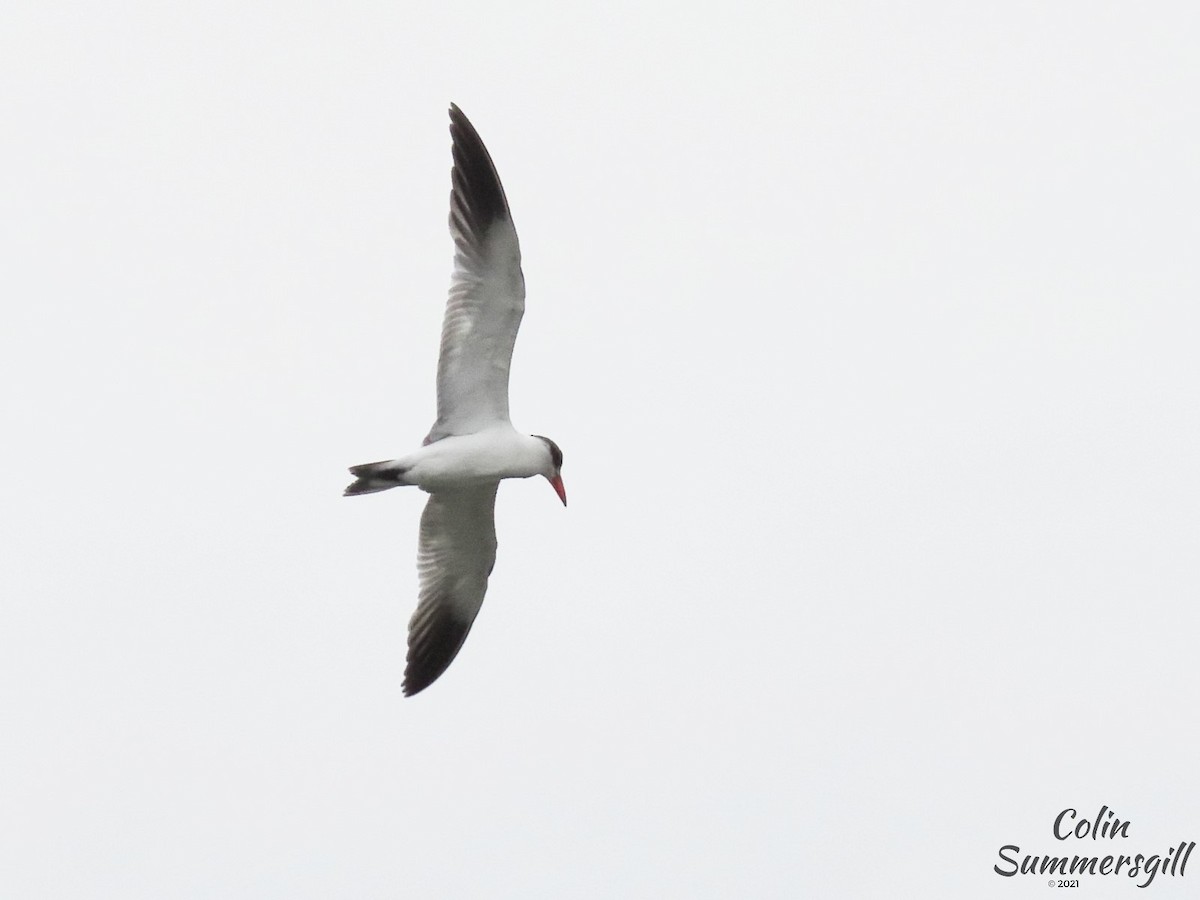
(376, 476)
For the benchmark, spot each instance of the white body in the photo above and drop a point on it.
(474, 459)
(472, 445)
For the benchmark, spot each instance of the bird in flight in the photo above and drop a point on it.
(472, 445)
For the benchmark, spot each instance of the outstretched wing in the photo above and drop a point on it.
(487, 293)
(455, 555)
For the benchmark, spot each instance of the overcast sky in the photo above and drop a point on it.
(869, 332)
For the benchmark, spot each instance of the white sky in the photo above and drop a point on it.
(869, 332)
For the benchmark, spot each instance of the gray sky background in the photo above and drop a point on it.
(869, 332)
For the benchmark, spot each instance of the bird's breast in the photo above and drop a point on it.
(465, 460)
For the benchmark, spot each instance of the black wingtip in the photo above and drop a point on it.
(435, 637)
(477, 193)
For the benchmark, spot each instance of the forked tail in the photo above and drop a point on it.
(376, 476)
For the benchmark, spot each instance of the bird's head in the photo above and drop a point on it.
(552, 467)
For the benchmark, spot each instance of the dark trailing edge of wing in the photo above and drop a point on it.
(434, 639)
(477, 197)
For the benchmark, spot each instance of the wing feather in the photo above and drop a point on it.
(487, 293)
(455, 555)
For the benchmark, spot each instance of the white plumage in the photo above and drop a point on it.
(472, 446)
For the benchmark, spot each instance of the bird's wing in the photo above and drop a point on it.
(487, 293)
(455, 555)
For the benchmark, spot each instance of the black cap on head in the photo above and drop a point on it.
(555, 453)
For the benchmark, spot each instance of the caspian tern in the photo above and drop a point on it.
(472, 445)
